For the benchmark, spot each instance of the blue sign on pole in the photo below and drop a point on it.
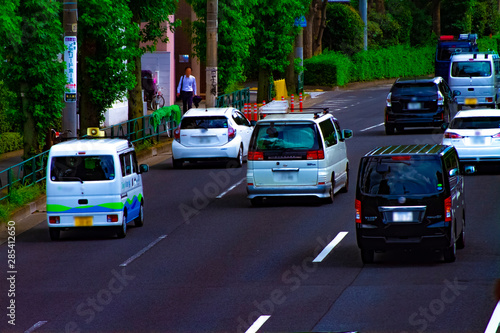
(301, 22)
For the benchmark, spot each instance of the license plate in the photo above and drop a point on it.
(402, 217)
(477, 140)
(470, 101)
(286, 176)
(414, 106)
(205, 140)
(83, 221)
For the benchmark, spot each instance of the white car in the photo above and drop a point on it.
(211, 134)
(475, 134)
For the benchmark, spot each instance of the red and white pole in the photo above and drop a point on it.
(292, 103)
(282, 98)
(255, 114)
(245, 112)
(300, 101)
(263, 104)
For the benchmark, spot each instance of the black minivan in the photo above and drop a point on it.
(410, 196)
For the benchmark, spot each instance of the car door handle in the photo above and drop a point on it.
(285, 169)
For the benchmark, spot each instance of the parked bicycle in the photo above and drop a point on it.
(157, 101)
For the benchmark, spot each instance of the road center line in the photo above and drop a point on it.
(36, 326)
(258, 324)
(141, 252)
(494, 320)
(229, 189)
(369, 128)
(330, 246)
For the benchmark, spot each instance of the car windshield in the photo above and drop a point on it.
(289, 136)
(470, 68)
(205, 122)
(82, 168)
(475, 122)
(413, 89)
(402, 175)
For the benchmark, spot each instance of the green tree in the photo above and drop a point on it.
(32, 73)
(156, 14)
(107, 41)
(344, 29)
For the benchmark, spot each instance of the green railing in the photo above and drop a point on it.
(33, 170)
(236, 99)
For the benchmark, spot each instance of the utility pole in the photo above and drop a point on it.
(299, 53)
(70, 19)
(211, 79)
(363, 10)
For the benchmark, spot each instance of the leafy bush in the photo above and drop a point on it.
(18, 198)
(329, 68)
(10, 141)
(487, 43)
(344, 29)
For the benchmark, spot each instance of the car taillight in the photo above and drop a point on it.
(450, 135)
(440, 98)
(231, 133)
(315, 154)
(54, 220)
(357, 206)
(177, 135)
(113, 218)
(388, 101)
(255, 156)
(447, 209)
(489, 99)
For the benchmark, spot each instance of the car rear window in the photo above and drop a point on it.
(402, 175)
(444, 53)
(285, 136)
(475, 122)
(470, 68)
(82, 168)
(204, 122)
(414, 89)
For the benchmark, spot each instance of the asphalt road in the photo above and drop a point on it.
(206, 261)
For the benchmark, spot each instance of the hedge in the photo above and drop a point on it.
(486, 43)
(335, 69)
(10, 141)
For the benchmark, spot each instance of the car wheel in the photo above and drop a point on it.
(122, 230)
(239, 158)
(389, 130)
(331, 192)
(400, 129)
(139, 221)
(450, 253)
(177, 163)
(461, 238)
(367, 256)
(345, 189)
(256, 202)
(54, 233)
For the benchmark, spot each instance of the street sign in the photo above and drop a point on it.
(70, 97)
(301, 22)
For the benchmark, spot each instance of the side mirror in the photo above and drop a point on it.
(144, 168)
(445, 126)
(469, 170)
(456, 93)
(347, 133)
(453, 172)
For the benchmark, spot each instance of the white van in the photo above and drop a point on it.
(297, 155)
(94, 183)
(475, 79)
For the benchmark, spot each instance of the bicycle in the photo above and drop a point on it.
(157, 101)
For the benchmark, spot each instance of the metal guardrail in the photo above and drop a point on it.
(236, 99)
(33, 170)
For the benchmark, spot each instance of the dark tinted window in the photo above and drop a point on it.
(402, 175)
(444, 53)
(475, 122)
(470, 68)
(204, 122)
(281, 135)
(329, 133)
(82, 168)
(414, 89)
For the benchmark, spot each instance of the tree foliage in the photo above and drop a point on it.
(344, 29)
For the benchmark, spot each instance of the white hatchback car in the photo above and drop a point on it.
(297, 155)
(475, 134)
(211, 134)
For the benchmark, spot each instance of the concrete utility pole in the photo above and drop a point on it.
(299, 50)
(363, 10)
(212, 24)
(70, 19)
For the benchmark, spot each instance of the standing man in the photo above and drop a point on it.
(187, 89)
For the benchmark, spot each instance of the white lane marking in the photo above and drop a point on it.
(369, 128)
(34, 327)
(494, 320)
(330, 246)
(141, 252)
(229, 189)
(258, 324)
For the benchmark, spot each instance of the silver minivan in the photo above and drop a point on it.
(297, 155)
(475, 79)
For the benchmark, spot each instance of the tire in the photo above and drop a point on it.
(329, 200)
(139, 221)
(389, 130)
(461, 238)
(256, 202)
(54, 233)
(450, 253)
(177, 163)
(122, 230)
(367, 256)
(239, 158)
(345, 189)
(157, 102)
(400, 129)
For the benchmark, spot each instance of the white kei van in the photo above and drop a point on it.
(297, 155)
(475, 79)
(94, 183)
